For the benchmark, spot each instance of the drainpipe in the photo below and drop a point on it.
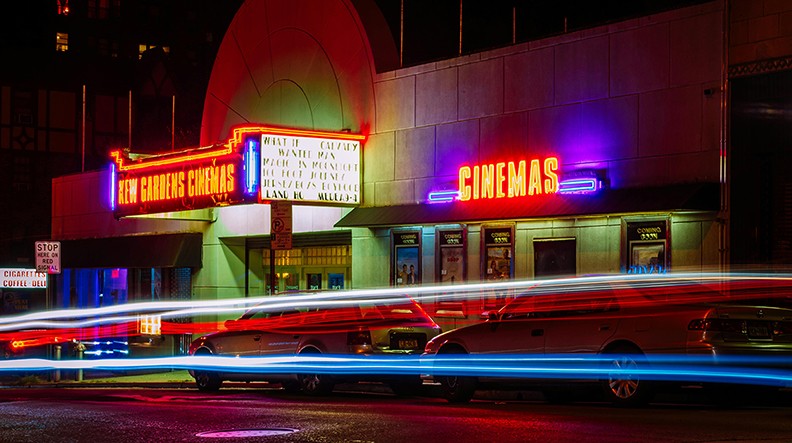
(725, 147)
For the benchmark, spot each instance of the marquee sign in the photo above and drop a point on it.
(256, 164)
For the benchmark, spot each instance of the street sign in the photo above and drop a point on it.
(48, 257)
(281, 229)
(18, 278)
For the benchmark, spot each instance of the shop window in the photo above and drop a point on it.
(555, 257)
(497, 264)
(451, 255)
(498, 257)
(335, 280)
(646, 247)
(316, 263)
(92, 288)
(313, 256)
(406, 256)
(313, 281)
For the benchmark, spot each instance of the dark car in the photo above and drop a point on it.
(365, 328)
(621, 323)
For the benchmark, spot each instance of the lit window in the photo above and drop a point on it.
(144, 48)
(61, 41)
(63, 7)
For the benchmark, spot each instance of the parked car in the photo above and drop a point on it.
(624, 323)
(366, 328)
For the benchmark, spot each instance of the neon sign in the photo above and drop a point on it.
(196, 179)
(509, 179)
(256, 164)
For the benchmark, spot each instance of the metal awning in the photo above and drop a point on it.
(674, 198)
(180, 250)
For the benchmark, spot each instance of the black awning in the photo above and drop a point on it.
(181, 250)
(305, 239)
(687, 197)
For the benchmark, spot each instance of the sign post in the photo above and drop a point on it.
(281, 215)
(280, 233)
(48, 254)
(48, 257)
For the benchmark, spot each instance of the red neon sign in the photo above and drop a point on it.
(195, 178)
(509, 179)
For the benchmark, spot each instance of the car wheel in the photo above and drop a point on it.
(315, 384)
(207, 381)
(621, 387)
(457, 389)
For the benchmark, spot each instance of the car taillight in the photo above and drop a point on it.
(782, 328)
(362, 337)
(717, 325)
(16, 344)
(359, 341)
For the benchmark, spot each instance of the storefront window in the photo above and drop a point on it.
(498, 256)
(98, 287)
(313, 281)
(646, 247)
(318, 265)
(451, 257)
(555, 257)
(497, 263)
(406, 253)
(335, 281)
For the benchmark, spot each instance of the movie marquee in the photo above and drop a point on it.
(258, 164)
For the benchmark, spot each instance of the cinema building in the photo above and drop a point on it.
(597, 151)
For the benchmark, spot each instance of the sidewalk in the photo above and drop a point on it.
(161, 379)
(181, 379)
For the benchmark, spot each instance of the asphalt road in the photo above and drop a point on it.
(41, 414)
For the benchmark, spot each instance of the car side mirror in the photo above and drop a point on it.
(230, 324)
(492, 315)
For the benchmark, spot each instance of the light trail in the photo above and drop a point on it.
(422, 294)
(773, 371)
(660, 291)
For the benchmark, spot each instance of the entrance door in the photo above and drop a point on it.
(333, 278)
(555, 257)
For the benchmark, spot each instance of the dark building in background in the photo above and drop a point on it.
(760, 74)
(69, 69)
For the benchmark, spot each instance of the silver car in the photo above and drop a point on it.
(401, 328)
(621, 324)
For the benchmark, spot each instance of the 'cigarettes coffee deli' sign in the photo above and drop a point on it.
(256, 164)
